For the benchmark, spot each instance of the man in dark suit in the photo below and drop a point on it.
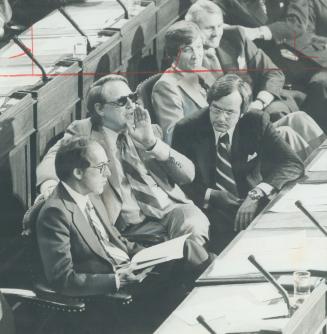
(142, 194)
(82, 253)
(228, 51)
(239, 160)
(301, 26)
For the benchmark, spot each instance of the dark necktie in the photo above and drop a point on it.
(224, 173)
(135, 172)
(117, 254)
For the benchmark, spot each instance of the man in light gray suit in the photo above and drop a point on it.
(142, 194)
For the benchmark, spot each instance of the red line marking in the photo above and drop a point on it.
(19, 54)
(88, 74)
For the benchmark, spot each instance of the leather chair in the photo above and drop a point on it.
(144, 89)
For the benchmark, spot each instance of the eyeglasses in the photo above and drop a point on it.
(218, 111)
(102, 167)
(121, 102)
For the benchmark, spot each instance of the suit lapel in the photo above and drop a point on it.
(228, 56)
(113, 233)
(82, 225)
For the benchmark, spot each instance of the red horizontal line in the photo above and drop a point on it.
(154, 72)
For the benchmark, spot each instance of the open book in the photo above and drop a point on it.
(163, 252)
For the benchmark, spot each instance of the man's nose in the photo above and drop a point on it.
(129, 103)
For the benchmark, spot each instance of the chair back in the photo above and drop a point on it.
(144, 89)
(7, 324)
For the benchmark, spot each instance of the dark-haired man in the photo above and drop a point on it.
(239, 161)
(142, 193)
(82, 253)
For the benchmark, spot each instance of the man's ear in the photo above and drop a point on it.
(78, 173)
(98, 107)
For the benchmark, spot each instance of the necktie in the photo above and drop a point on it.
(211, 62)
(224, 173)
(135, 172)
(118, 255)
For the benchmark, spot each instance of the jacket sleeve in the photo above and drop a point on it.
(279, 164)
(53, 236)
(294, 21)
(265, 74)
(168, 107)
(196, 189)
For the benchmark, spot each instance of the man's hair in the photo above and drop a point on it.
(200, 9)
(228, 84)
(96, 95)
(180, 34)
(72, 154)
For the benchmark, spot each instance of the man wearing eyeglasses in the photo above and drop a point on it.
(142, 194)
(240, 160)
(82, 253)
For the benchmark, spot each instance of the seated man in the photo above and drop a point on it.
(142, 193)
(239, 159)
(230, 51)
(302, 25)
(80, 250)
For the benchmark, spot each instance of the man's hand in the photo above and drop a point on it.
(47, 187)
(127, 277)
(141, 131)
(223, 199)
(246, 214)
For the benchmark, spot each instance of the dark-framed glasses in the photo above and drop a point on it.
(121, 102)
(102, 167)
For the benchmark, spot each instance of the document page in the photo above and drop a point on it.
(313, 197)
(279, 253)
(163, 252)
(320, 163)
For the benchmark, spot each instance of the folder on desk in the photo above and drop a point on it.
(279, 253)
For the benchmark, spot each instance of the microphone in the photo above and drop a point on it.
(31, 56)
(273, 281)
(76, 26)
(126, 15)
(308, 214)
(203, 322)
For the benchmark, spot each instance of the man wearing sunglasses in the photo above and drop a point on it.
(239, 158)
(142, 194)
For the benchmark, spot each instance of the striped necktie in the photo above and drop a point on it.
(117, 254)
(224, 173)
(136, 172)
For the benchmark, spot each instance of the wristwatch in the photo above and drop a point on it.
(256, 194)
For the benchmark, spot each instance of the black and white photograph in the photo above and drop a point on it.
(163, 166)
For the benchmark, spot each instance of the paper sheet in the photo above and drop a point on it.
(320, 163)
(168, 250)
(279, 253)
(313, 197)
(232, 308)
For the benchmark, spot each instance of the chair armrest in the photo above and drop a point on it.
(46, 299)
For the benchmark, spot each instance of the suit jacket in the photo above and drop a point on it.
(176, 95)
(167, 174)
(73, 259)
(258, 153)
(305, 19)
(237, 53)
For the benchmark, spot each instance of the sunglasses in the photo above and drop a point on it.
(102, 167)
(121, 102)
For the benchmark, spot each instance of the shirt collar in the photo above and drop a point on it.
(78, 198)
(219, 134)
